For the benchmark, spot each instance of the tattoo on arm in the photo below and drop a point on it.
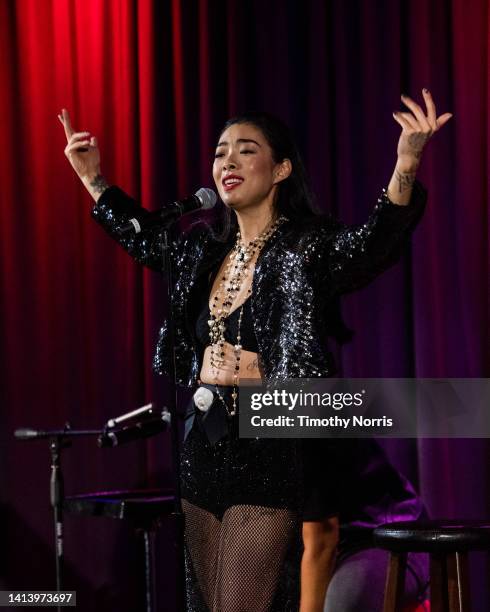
(99, 184)
(405, 180)
(417, 142)
(253, 365)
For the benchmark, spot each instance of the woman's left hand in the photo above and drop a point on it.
(418, 127)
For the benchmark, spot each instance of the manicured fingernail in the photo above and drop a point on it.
(426, 90)
(404, 96)
(395, 112)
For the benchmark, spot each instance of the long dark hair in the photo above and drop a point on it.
(293, 198)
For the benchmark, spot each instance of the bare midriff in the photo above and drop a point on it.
(249, 361)
(249, 367)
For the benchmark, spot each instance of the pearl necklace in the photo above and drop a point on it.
(231, 283)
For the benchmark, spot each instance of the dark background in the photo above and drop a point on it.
(154, 81)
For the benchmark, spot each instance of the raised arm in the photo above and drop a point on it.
(357, 254)
(113, 208)
(360, 253)
(83, 154)
(417, 128)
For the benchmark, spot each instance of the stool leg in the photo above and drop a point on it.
(395, 582)
(458, 583)
(438, 583)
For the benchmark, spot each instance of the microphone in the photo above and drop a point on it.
(142, 429)
(203, 198)
(27, 433)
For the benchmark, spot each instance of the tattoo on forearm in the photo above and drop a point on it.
(417, 142)
(253, 365)
(99, 184)
(405, 180)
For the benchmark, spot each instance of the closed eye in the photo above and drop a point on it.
(244, 152)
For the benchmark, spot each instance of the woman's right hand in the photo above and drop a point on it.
(84, 156)
(81, 149)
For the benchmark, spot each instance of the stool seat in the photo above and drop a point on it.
(140, 507)
(144, 509)
(438, 536)
(448, 543)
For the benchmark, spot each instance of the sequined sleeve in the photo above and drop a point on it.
(113, 210)
(357, 254)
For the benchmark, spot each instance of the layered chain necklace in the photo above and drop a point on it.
(236, 271)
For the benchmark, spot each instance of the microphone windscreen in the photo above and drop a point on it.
(207, 197)
(25, 434)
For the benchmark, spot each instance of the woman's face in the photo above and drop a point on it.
(244, 170)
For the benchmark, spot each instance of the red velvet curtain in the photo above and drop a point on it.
(154, 81)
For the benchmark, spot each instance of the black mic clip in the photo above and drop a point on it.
(203, 199)
(143, 422)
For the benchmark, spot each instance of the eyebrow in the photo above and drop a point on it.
(241, 140)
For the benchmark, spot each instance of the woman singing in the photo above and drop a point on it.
(255, 296)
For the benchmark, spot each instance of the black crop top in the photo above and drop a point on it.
(247, 333)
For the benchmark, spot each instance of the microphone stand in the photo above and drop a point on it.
(110, 435)
(57, 441)
(177, 513)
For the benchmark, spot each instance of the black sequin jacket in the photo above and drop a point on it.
(299, 275)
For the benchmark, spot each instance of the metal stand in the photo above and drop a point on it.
(177, 514)
(149, 543)
(144, 509)
(56, 498)
(57, 441)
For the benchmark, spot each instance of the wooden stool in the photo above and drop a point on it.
(448, 543)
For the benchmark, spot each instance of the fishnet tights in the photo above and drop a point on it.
(237, 561)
